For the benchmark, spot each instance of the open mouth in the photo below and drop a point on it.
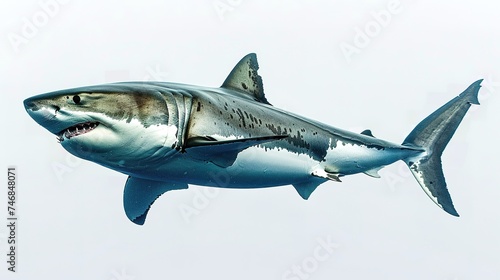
(76, 130)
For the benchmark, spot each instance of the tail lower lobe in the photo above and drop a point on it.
(433, 134)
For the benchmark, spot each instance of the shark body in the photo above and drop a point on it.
(165, 136)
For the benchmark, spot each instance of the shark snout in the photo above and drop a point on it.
(34, 104)
(29, 104)
(43, 113)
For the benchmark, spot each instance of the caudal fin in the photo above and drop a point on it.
(433, 134)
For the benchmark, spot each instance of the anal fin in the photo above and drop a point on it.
(374, 172)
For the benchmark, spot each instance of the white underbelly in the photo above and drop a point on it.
(272, 166)
(349, 159)
(255, 167)
(260, 167)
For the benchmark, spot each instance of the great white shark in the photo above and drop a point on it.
(165, 136)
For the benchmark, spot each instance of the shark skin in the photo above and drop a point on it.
(165, 136)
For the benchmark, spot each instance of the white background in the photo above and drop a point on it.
(71, 221)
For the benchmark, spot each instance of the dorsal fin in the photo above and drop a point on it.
(244, 77)
(367, 132)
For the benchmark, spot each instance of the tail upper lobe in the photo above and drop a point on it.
(433, 134)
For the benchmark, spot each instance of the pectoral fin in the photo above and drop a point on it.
(140, 194)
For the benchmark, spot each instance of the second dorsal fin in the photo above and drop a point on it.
(244, 78)
(367, 132)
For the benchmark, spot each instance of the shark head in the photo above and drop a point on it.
(118, 125)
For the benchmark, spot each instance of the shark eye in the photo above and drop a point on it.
(76, 99)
